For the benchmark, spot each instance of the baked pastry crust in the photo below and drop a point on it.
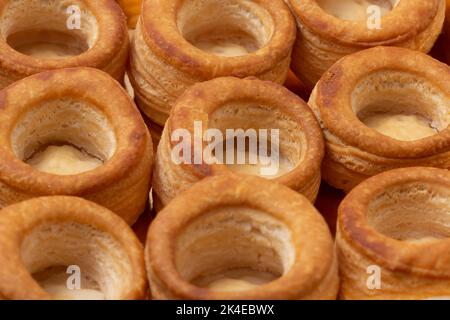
(276, 108)
(121, 184)
(313, 276)
(323, 38)
(355, 151)
(447, 32)
(114, 242)
(410, 206)
(163, 63)
(109, 52)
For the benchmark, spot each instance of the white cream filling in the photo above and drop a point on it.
(63, 160)
(404, 127)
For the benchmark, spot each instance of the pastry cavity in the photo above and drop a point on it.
(411, 212)
(48, 31)
(103, 264)
(46, 44)
(224, 28)
(234, 249)
(400, 105)
(401, 126)
(283, 165)
(64, 137)
(235, 280)
(64, 160)
(56, 281)
(356, 10)
(252, 119)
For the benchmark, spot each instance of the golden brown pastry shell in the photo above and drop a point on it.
(121, 184)
(355, 151)
(199, 103)
(19, 220)
(313, 276)
(109, 52)
(409, 269)
(323, 39)
(167, 63)
(447, 32)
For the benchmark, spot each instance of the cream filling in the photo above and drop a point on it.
(355, 10)
(404, 127)
(46, 44)
(284, 165)
(63, 160)
(235, 280)
(43, 50)
(232, 45)
(222, 48)
(54, 282)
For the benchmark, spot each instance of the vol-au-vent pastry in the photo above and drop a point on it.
(380, 109)
(249, 126)
(44, 35)
(240, 237)
(331, 29)
(447, 32)
(178, 43)
(393, 236)
(74, 132)
(68, 248)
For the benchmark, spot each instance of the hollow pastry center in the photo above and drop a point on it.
(400, 105)
(76, 261)
(62, 285)
(235, 280)
(46, 44)
(233, 249)
(404, 127)
(64, 160)
(225, 28)
(257, 140)
(253, 160)
(411, 212)
(49, 30)
(63, 137)
(356, 10)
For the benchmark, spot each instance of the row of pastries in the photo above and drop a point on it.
(93, 92)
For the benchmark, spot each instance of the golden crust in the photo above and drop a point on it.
(346, 136)
(311, 277)
(410, 269)
(109, 52)
(163, 60)
(164, 39)
(447, 32)
(19, 220)
(201, 101)
(323, 39)
(121, 184)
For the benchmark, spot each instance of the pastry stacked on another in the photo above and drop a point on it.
(239, 158)
(331, 29)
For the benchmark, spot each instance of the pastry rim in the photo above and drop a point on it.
(84, 84)
(112, 37)
(334, 91)
(211, 95)
(418, 258)
(405, 22)
(22, 217)
(217, 191)
(161, 34)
